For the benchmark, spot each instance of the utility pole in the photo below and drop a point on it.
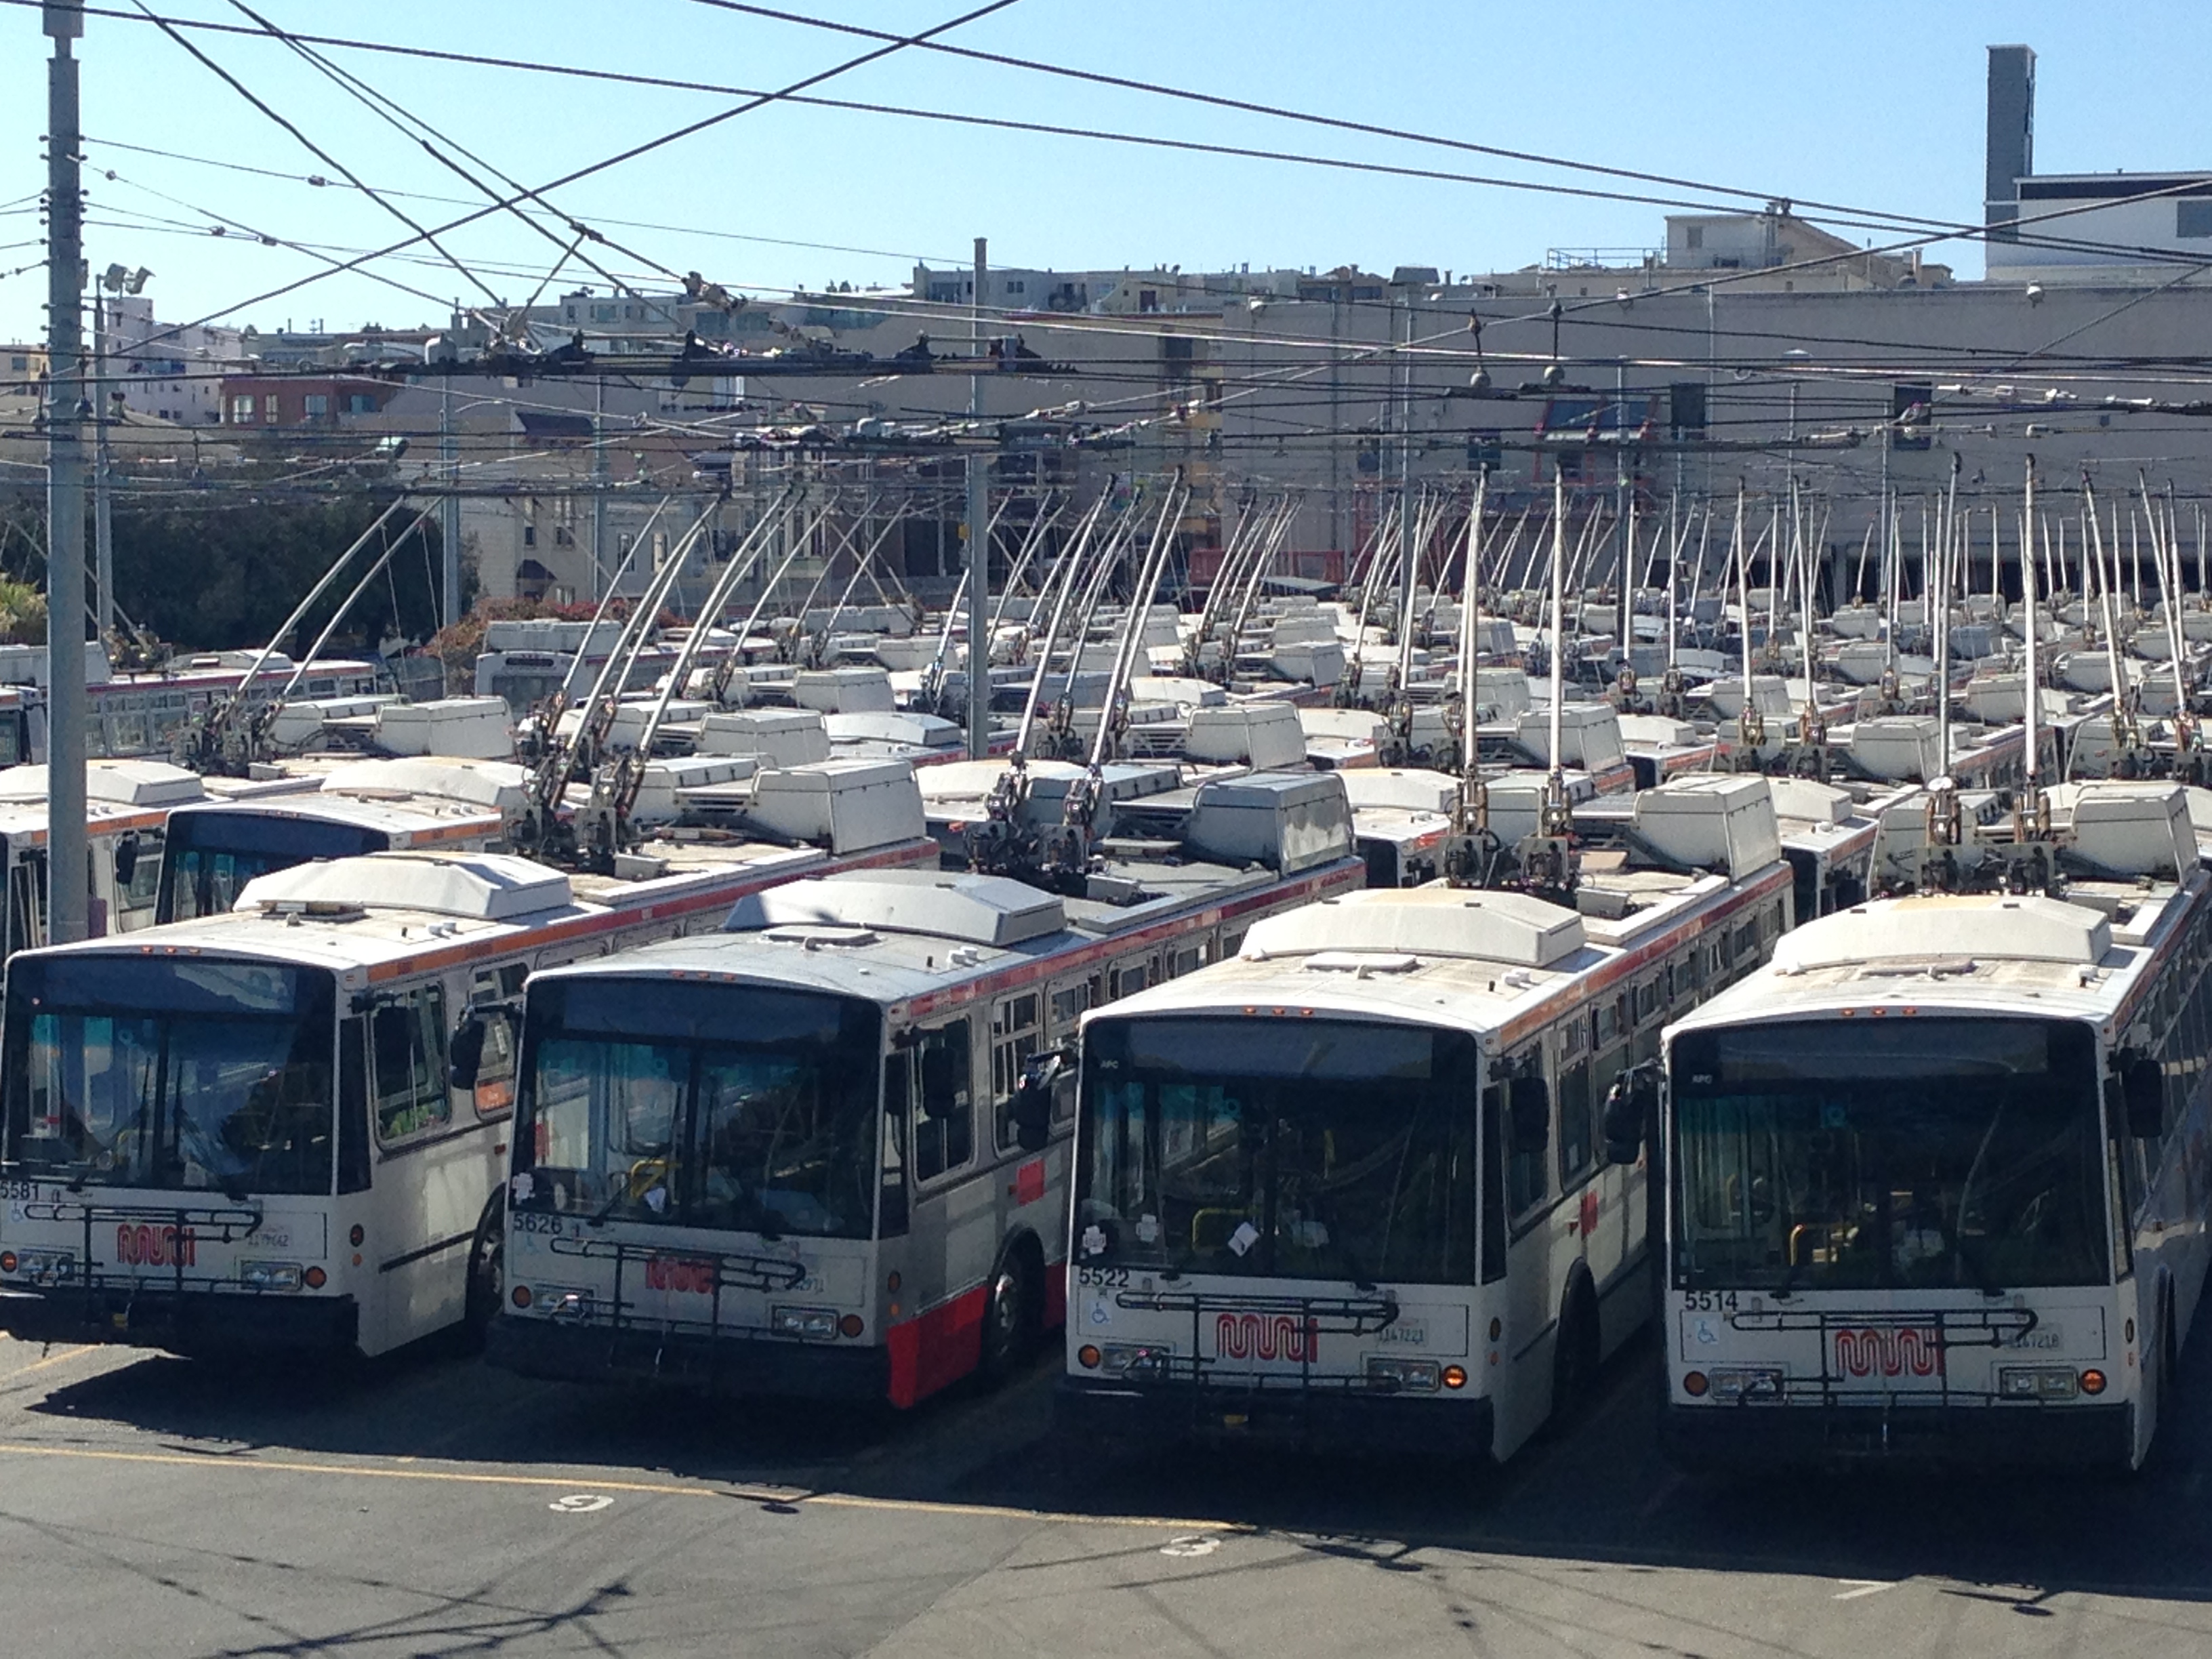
(598, 487)
(979, 552)
(103, 529)
(67, 872)
(449, 517)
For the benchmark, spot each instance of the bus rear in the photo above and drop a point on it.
(1895, 1238)
(1277, 1235)
(695, 1186)
(171, 1152)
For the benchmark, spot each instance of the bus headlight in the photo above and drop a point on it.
(1133, 1358)
(1745, 1383)
(807, 1324)
(270, 1275)
(2037, 1382)
(1403, 1376)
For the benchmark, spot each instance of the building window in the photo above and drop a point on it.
(269, 409)
(360, 403)
(2192, 217)
(316, 405)
(1694, 237)
(241, 409)
(530, 535)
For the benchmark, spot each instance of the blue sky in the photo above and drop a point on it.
(1875, 104)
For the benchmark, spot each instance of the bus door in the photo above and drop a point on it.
(931, 1148)
(27, 897)
(422, 1223)
(1517, 1109)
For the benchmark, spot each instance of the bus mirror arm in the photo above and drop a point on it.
(1631, 1105)
(1033, 1097)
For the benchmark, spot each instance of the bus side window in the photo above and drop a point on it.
(1574, 1122)
(407, 1037)
(494, 1086)
(945, 1121)
(353, 1106)
(27, 894)
(1015, 1028)
(1528, 1139)
(898, 1086)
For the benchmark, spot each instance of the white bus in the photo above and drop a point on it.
(1352, 1187)
(825, 1152)
(288, 1124)
(1940, 1182)
(127, 809)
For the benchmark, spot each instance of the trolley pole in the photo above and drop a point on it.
(979, 550)
(67, 872)
(103, 524)
(449, 513)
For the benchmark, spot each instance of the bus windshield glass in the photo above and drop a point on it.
(738, 1108)
(211, 855)
(1320, 1149)
(180, 1074)
(1954, 1153)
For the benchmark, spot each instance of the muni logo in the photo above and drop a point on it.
(156, 1246)
(673, 1273)
(1266, 1336)
(1889, 1351)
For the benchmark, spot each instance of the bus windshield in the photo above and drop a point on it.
(213, 855)
(1322, 1149)
(738, 1108)
(180, 1074)
(1953, 1153)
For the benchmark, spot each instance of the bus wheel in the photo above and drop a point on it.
(1014, 1314)
(1575, 1357)
(487, 1274)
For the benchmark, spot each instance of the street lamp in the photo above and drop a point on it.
(114, 280)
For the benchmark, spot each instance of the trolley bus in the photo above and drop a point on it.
(1353, 1188)
(288, 1124)
(1941, 1175)
(825, 1152)
(128, 804)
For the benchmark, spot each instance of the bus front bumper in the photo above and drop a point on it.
(1091, 1411)
(570, 1352)
(1765, 1435)
(186, 1323)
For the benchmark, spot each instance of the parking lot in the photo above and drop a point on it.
(432, 1506)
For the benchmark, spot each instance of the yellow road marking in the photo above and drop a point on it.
(50, 1359)
(573, 1482)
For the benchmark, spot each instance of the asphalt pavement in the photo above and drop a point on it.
(427, 1506)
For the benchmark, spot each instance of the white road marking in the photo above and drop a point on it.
(580, 1503)
(1865, 1587)
(1196, 1544)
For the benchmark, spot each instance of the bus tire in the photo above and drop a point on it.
(1575, 1354)
(487, 1272)
(1013, 1315)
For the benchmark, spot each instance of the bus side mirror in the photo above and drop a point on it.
(465, 1052)
(2143, 1086)
(1041, 1082)
(940, 1082)
(1531, 1115)
(1629, 1104)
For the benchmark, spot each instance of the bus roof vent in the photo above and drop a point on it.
(1265, 736)
(497, 785)
(1514, 928)
(2129, 828)
(1947, 927)
(1717, 821)
(479, 886)
(975, 909)
(120, 782)
(1286, 821)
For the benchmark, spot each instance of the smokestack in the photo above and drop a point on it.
(2011, 136)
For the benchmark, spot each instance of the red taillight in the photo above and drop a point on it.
(851, 1325)
(521, 1296)
(1087, 1357)
(7, 1262)
(1694, 1384)
(314, 1279)
(1455, 1376)
(2093, 1382)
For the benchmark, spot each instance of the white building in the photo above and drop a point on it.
(174, 374)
